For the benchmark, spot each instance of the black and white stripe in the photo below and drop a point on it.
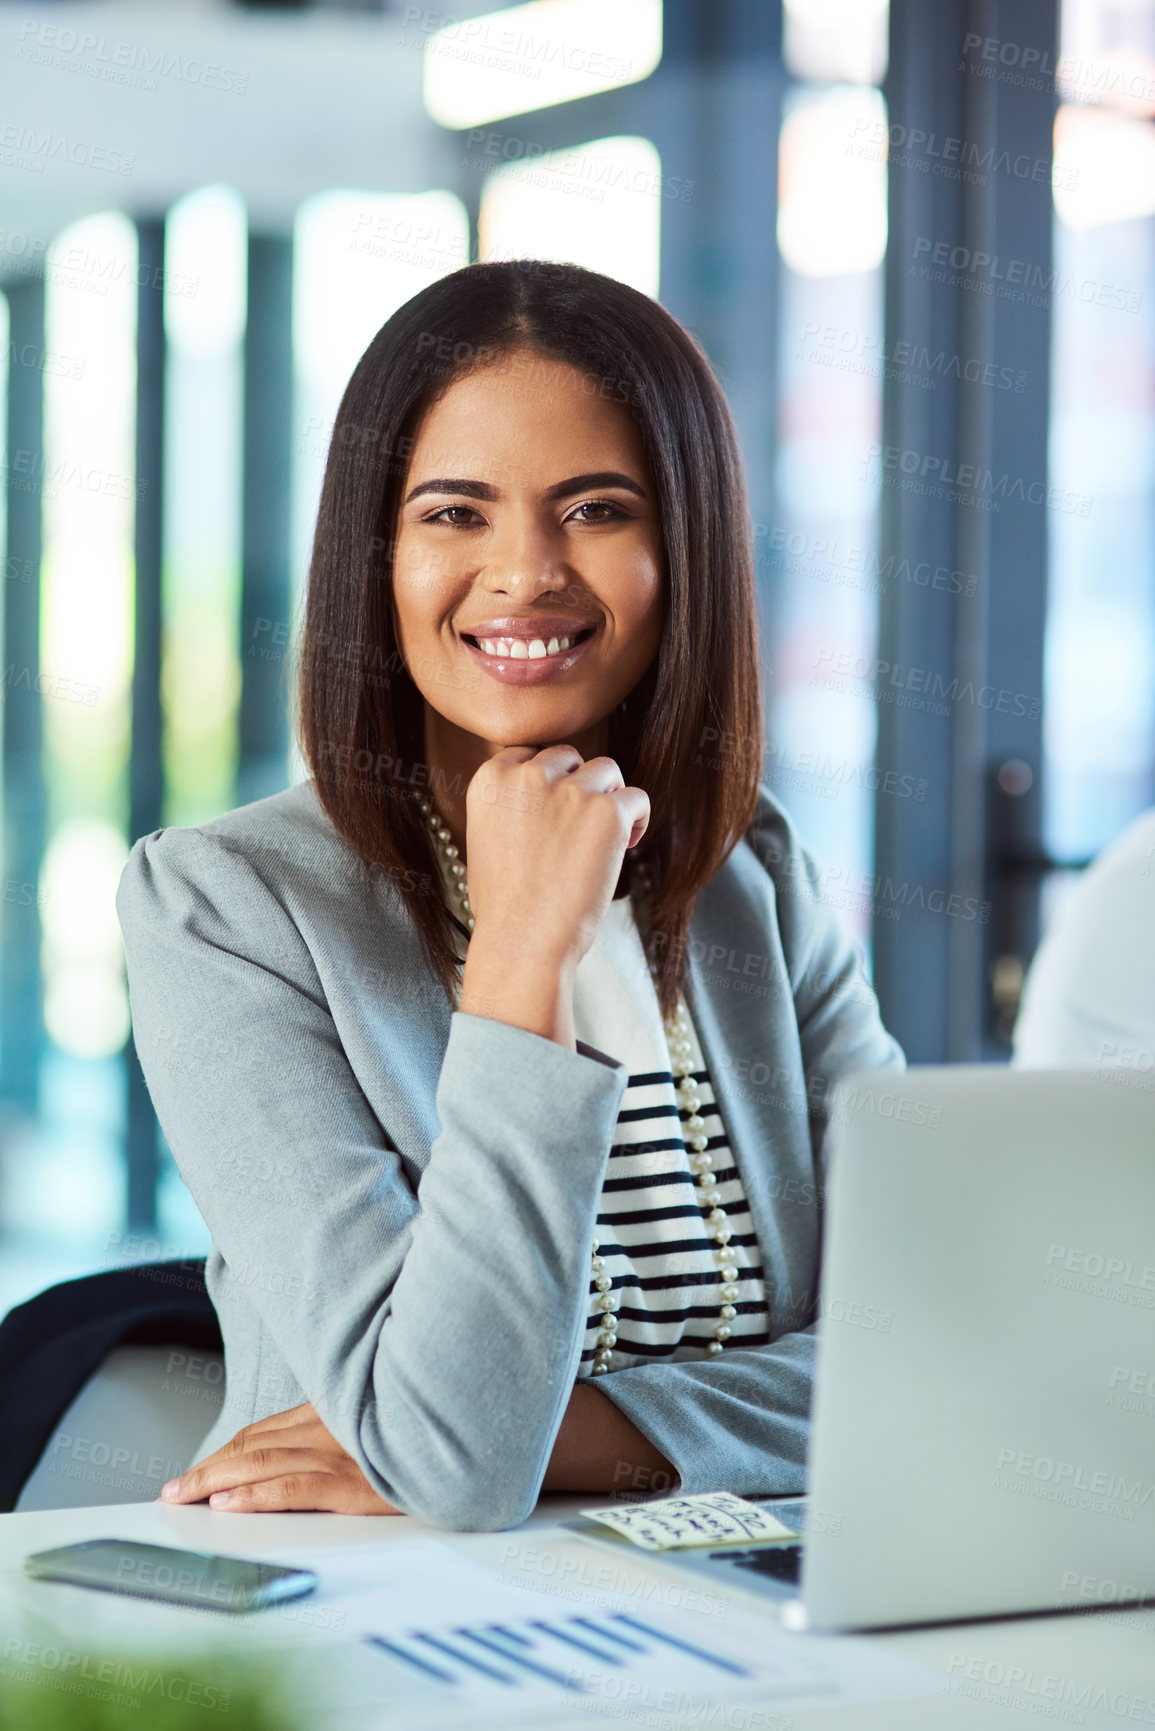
(652, 1232)
(653, 1237)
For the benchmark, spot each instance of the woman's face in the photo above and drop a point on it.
(528, 518)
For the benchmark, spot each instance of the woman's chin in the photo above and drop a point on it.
(530, 722)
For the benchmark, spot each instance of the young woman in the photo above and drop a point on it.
(497, 1054)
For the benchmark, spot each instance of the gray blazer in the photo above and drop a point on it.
(401, 1196)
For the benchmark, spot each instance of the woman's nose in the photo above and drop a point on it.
(524, 556)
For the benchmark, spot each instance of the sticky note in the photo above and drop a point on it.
(677, 1523)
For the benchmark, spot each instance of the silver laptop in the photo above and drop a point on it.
(983, 1431)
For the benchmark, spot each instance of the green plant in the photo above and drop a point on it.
(54, 1688)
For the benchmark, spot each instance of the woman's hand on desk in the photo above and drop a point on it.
(286, 1461)
(291, 1461)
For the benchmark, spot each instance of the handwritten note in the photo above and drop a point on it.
(676, 1523)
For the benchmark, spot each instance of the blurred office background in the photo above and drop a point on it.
(918, 244)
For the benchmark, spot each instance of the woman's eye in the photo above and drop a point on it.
(446, 515)
(465, 517)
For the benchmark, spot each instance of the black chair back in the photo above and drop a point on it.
(52, 1344)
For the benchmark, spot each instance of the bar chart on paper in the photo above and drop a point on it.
(441, 1633)
(604, 1655)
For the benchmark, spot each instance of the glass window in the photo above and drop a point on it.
(1100, 644)
(596, 205)
(63, 1172)
(836, 40)
(526, 57)
(819, 561)
(357, 257)
(204, 312)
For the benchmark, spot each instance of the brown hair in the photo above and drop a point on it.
(690, 733)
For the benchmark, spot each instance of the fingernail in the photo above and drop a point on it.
(219, 1500)
(169, 1491)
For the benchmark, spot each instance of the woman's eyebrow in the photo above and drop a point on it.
(562, 489)
(471, 489)
(601, 478)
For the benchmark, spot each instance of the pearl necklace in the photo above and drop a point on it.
(677, 1029)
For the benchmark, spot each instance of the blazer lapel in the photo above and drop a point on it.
(742, 1003)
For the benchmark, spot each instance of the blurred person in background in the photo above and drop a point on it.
(1089, 997)
(421, 1032)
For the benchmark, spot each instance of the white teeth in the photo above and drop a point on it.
(517, 649)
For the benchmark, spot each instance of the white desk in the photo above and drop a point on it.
(1110, 1654)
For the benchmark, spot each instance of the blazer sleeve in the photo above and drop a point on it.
(740, 1422)
(437, 1333)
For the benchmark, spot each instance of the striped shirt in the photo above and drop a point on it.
(652, 1232)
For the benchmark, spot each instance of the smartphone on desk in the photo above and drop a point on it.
(198, 1578)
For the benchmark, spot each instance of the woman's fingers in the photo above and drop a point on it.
(299, 1425)
(190, 1486)
(545, 837)
(634, 803)
(324, 1492)
(279, 1478)
(224, 1471)
(304, 1414)
(286, 1461)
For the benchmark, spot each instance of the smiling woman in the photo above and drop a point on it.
(509, 384)
(514, 1150)
(529, 565)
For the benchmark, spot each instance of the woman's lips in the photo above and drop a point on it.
(509, 671)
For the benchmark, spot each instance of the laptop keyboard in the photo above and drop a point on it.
(781, 1562)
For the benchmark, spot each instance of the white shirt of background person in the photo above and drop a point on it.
(1089, 997)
